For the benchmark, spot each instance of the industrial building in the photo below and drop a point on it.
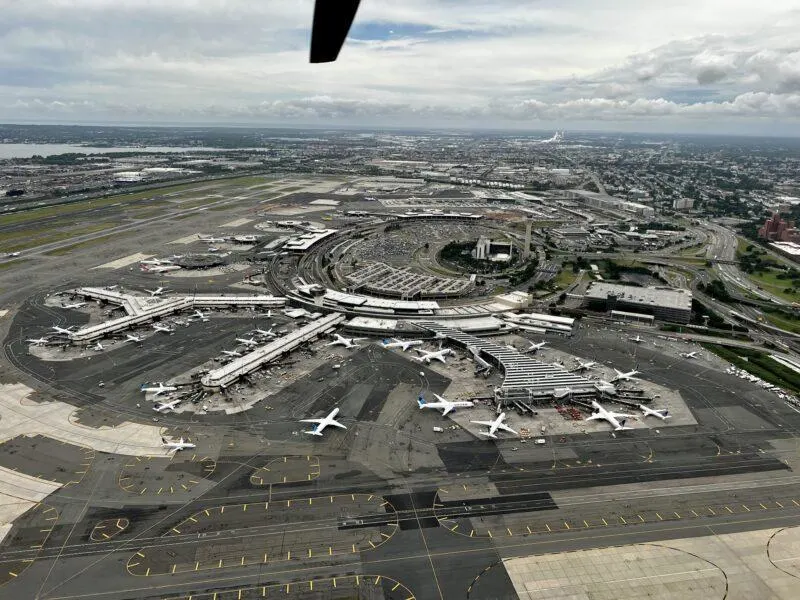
(667, 304)
(606, 202)
(383, 280)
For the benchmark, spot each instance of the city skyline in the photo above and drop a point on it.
(701, 67)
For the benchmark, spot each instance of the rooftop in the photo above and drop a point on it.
(651, 296)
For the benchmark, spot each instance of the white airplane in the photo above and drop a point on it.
(177, 446)
(156, 292)
(158, 388)
(620, 376)
(37, 341)
(199, 315)
(160, 268)
(133, 338)
(162, 328)
(611, 417)
(75, 305)
(155, 261)
(583, 366)
(427, 357)
(210, 240)
(247, 342)
(662, 414)
(97, 347)
(446, 405)
(267, 314)
(536, 347)
(493, 426)
(405, 345)
(268, 333)
(231, 353)
(65, 331)
(346, 342)
(322, 423)
(638, 339)
(694, 354)
(165, 406)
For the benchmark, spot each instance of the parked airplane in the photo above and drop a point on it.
(346, 342)
(97, 347)
(268, 333)
(162, 328)
(267, 314)
(322, 423)
(65, 331)
(536, 347)
(199, 315)
(177, 446)
(427, 357)
(155, 261)
(405, 345)
(620, 376)
(246, 342)
(638, 339)
(694, 354)
(231, 353)
(37, 341)
(493, 426)
(165, 406)
(611, 417)
(133, 338)
(156, 292)
(158, 388)
(661, 413)
(75, 305)
(446, 405)
(160, 268)
(583, 366)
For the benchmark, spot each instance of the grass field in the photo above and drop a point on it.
(22, 240)
(759, 364)
(782, 322)
(79, 245)
(769, 282)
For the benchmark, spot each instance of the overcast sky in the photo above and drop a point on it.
(728, 66)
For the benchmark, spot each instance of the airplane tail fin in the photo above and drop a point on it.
(421, 401)
(622, 423)
(163, 439)
(666, 413)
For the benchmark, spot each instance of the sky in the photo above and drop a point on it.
(689, 66)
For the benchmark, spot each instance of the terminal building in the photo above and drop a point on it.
(667, 304)
(606, 202)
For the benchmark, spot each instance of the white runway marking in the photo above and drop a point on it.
(186, 240)
(123, 262)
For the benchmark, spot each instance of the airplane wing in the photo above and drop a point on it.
(594, 417)
(317, 421)
(336, 424)
(332, 21)
(487, 434)
(486, 423)
(447, 410)
(505, 427)
(620, 416)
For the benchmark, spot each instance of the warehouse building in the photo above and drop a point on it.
(667, 304)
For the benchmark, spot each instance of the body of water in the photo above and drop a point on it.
(28, 150)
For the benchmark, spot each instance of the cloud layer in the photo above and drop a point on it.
(710, 65)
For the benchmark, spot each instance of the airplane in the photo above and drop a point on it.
(210, 240)
(446, 405)
(267, 314)
(536, 347)
(97, 347)
(158, 388)
(558, 136)
(638, 339)
(177, 446)
(662, 413)
(165, 406)
(322, 423)
(155, 261)
(611, 417)
(405, 345)
(38, 341)
(57, 329)
(199, 315)
(332, 21)
(493, 426)
(133, 338)
(582, 366)
(247, 342)
(694, 354)
(346, 342)
(75, 305)
(269, 333)
(160, 268)
(427, 357)
(156, 292)
(162, 328)
(624, 376)
(231, 353)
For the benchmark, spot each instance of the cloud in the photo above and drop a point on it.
(516, 62)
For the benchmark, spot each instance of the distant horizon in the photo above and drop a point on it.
(394, 128)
